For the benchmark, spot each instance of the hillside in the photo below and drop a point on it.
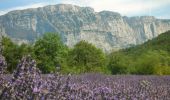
(162, 42)
(152, 57)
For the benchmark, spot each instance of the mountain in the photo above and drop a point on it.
(107, 30)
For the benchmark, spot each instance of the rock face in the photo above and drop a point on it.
(107, 30)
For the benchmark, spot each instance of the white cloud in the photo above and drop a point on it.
(3, 12)
(125, 7)
(23, 7)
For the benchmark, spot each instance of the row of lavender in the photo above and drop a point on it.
(27, 83)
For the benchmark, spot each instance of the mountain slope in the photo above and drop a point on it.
(162, 42)
(152, 57)
(107, 30)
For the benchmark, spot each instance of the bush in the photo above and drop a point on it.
(86, 58)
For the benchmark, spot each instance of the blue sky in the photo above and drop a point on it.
(157, 8)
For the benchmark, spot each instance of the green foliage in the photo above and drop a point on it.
(49, 51)
(162, 70)
(13, 53)
(116, 65)
(152, 57)
(162, 42)
(151, 61)
(85, 57)
(146, 63)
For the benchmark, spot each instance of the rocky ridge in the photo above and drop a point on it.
(107, 30)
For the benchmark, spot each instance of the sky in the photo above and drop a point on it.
(157, 8)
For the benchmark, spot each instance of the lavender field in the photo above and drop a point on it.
(27, 83)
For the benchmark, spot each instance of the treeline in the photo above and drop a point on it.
(49, 53)
(152, 57)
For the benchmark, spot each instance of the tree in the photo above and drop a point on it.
(153, 62)
(87, 57)
(49, 52)
(10, 53)
(119, 63)
(13, 52)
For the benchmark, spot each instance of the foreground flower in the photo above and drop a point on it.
(25, 82)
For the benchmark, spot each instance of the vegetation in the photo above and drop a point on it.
(13, 52)
(49, 52)
(85, 57)
(152, 57)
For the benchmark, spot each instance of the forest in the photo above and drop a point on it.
(150, 58)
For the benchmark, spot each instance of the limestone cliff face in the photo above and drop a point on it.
(107, 30)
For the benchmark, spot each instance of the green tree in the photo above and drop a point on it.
(25, 49)
(87, 58)
(13, 52)
(49, 51)
(119, 63)
(153, 62)
(10, 53)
